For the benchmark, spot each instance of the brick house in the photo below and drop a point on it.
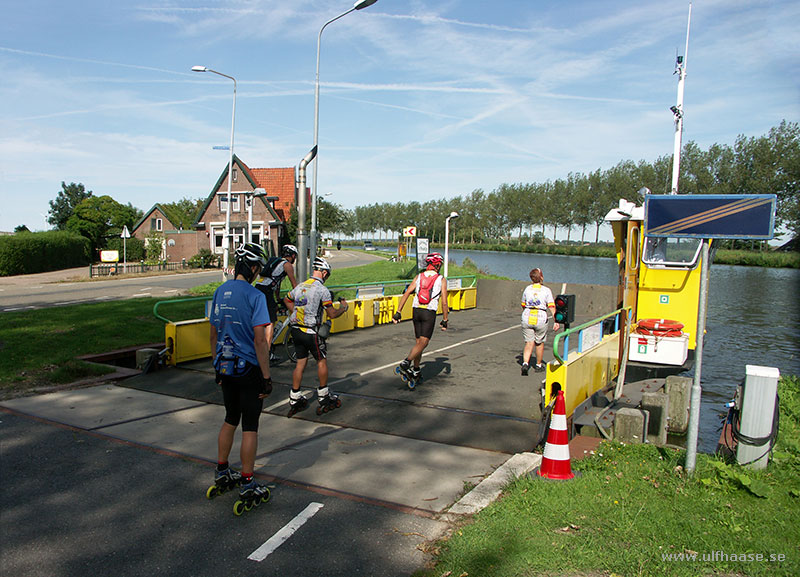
(270, 212)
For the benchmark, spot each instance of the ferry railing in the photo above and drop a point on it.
(583, 330)
(591, 365)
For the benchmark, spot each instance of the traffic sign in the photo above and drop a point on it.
(125, 233)
(745, 216)
(410, 231)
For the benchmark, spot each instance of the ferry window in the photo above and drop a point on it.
(680, 252)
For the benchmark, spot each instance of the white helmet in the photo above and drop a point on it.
(321, 264)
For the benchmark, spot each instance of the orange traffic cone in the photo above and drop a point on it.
(555, 462)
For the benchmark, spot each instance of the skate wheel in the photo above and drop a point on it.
(320, 410)
(411, 385)
(212, 492)
(238, 508)
(266, 497)
(249, 506)
(338, 403)
(397, 371)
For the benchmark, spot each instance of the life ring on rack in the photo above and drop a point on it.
(659, 327)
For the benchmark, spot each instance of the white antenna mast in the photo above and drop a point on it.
(677, 110)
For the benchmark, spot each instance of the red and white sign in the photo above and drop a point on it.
(410, 231)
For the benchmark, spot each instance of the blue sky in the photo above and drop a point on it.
(420, 99)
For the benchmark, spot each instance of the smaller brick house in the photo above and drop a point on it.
(270, 212)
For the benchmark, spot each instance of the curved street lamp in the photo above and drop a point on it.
(226, 234)
(359, 5)
(453, 214)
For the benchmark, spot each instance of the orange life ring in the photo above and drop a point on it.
(659, 327)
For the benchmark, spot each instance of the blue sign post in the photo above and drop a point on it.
(707, 216)
(742, 216)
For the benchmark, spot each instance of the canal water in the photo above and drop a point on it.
(753, 318)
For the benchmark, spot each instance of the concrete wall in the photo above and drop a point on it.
(591, 301)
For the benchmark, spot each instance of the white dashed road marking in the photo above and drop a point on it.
(287, 531)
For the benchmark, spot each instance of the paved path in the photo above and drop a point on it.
(125, 471)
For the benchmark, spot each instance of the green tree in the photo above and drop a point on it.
(62, 207)
(98, 217)
(184, 212)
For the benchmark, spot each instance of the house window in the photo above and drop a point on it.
(235, 202)
(156, 224)
(235, 175)
(218, 240)
(237, 236)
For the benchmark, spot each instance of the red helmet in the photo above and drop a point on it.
(434, 258)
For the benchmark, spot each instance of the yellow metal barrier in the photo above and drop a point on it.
(188, 341)
(364, 313)
(345, 322)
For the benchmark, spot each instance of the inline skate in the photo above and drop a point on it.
(409, 374)
(327, 401)
(250, 495)
(297, 404)
(224, 481)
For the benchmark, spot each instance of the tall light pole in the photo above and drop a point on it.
(359, 5)
(251, 197)
(226, 234)
(453, 214)
(677, 110)
(303, 267)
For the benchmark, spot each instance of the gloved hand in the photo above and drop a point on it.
(444, 324)
(266, 387)
(396, 317)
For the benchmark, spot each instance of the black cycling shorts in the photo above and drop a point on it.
(241, 397)
(272, 304)
(309, 343)
(424, 320)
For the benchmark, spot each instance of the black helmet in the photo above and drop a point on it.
(321, 264)
(251, 253)
(289, 250)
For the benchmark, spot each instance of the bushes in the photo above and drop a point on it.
(133, 248)
(42, 251)
(204, 259)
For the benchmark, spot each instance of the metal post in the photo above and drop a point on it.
(359, 5)
(303, 265)
(694, 402)
(677, 110)
(446, 244)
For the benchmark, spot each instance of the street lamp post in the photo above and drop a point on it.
(453, 214)
(359, 5)
(226, 234)
(251, 197)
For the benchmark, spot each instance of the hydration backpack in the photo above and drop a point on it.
(425, 287)
(272, 263)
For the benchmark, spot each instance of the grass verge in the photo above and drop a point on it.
(39, 347)
(633, 510)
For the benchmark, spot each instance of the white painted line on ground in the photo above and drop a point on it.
(287, 531)
(376, 369)
(141, 295)
(171, 291)
(18, 308)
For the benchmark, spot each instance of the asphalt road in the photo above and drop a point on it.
(76, 504)
(73, 286)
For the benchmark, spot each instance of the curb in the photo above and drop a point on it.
(490, 488)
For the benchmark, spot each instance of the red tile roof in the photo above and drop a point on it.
(278, 182)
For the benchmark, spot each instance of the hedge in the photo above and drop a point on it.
(32, 252)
